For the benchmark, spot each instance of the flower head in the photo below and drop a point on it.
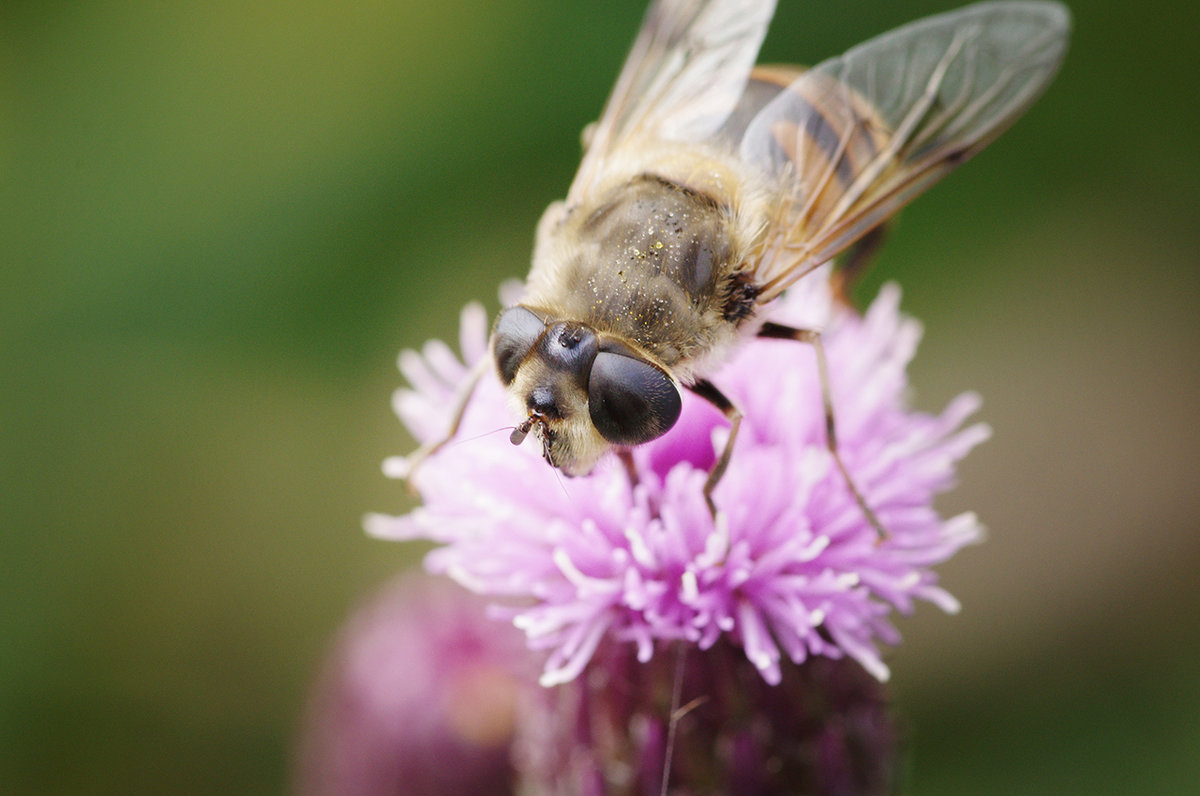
(825, 728)
(419, 695)
(790, 567)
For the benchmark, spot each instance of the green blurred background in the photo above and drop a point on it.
(219, 223)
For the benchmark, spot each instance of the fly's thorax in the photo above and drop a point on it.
(655, 260)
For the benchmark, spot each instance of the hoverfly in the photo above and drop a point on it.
(709, 185)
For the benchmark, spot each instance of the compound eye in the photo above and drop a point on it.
(630, 400)
(517, 329)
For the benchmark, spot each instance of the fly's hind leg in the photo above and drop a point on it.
(778, 331)
(706, 390)
(855, 262)
(461, 400)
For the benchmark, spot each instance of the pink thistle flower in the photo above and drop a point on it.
(789, 569)
(419, 695)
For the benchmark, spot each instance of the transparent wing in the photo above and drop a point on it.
(855, 138)
(685, 73)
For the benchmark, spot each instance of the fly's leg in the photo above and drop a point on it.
(778, 331)
(706, 390)
(855, 263)
(461, 400)
(626, 457)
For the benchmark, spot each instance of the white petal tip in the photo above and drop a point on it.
(689, 586)
(473, 312)
(398, 467)
(552, 679)
(877, 669)
(372, 522)
(383, 526)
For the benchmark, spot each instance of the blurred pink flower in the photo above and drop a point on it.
(790, 568)
(418, 696)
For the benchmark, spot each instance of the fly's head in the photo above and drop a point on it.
(579, 392)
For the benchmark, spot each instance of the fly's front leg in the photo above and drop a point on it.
(812, 337)
(626, 457)
(461, 400)
(706, 390)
